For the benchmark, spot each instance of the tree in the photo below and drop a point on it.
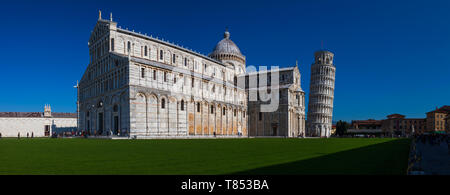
(341, 127)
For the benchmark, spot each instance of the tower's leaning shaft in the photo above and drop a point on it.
(321, 95)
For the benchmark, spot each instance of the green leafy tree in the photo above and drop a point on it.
(341, 127)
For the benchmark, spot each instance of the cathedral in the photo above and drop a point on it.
(141, 87)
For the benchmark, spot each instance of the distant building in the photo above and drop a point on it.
(397, 124)
(38, 124)
(369, 124)
(365, 126)
(333, 129)
(436, 119)
(447, 123)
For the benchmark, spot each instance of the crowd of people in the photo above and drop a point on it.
(19, 136)
(86, 134)
(434, 139)
(427, 142)
(69, 134)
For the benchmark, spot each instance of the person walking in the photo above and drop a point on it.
(18, 135)
(448, 147)
(32, 135)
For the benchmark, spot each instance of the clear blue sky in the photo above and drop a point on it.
(391, 56)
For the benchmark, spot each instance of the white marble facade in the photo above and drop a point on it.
(288, 120)
(321, 95)
(139, 86)
(36, 124)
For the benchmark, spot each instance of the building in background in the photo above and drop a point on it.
(447, 123)
(289, 119)
(397, 124)
(366, 124)
(321, 95)
(365, 127)
(37, 124)
(333, 129)
(436, 119)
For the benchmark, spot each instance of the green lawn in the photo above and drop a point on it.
(205, 157)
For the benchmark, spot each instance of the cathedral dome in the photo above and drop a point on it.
(226, 48)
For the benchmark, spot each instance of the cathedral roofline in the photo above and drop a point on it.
(270, 71)
(286, 86)
(170, 44)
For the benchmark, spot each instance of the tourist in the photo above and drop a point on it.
(448, 147)
(32, 135)
(0, 135)
(18, 135)
(28, 135)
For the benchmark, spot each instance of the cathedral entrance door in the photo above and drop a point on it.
(88, 128)
(274, 131)
(100, 123)
(47, 130)
(116, 125)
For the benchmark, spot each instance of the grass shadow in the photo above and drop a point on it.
(388, 158)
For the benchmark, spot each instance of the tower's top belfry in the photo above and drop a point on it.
(324, 57)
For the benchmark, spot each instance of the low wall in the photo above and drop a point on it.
(11, 127)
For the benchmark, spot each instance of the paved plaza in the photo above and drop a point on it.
(435, 158)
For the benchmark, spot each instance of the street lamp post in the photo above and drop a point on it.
(78, 105)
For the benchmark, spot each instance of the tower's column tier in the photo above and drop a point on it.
(321, 96)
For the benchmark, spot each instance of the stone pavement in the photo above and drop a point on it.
(435, 159)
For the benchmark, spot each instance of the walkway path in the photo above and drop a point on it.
(435, 158)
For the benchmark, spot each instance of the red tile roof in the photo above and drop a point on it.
(396, 116)
(443, 109)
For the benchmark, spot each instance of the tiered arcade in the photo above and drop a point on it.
(321, 95)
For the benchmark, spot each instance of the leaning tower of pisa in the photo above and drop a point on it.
(321, 95)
